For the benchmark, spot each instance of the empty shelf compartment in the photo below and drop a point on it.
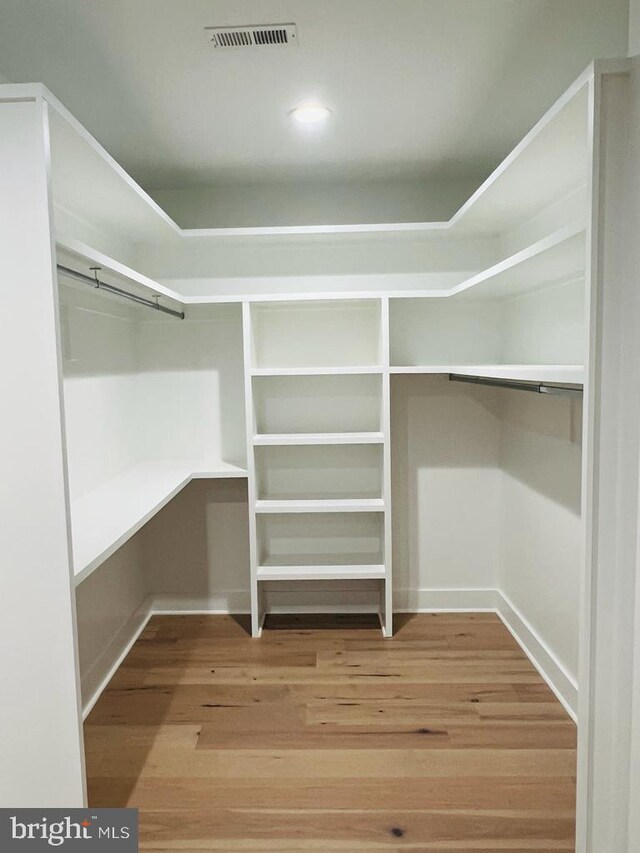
(319, 472)
(317, 404)
(342, 333)
(321, 543)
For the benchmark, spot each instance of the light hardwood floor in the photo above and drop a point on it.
(322, 736)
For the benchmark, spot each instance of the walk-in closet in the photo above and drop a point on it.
(323, 532)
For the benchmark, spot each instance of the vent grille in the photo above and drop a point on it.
(266, 35)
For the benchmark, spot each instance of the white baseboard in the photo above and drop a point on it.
(229, 601)
(408, 601)
(541, 656)
(96, 679)
(438, 600)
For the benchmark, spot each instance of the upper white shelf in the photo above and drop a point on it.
(313, 371)
(81, 257)
(558, 257)
(550, 160)
(105, 518)
(90, 185)
(546, 165)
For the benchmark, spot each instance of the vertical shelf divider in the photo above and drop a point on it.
(386, 594)
(257, 614)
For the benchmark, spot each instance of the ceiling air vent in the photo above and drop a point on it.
(265, 35)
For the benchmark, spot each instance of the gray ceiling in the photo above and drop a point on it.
(429, 88)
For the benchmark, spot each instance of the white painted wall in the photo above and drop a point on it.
(315, 203)
(545, 327)
(541, 532)
(105, 435)
(190, 386)
(609, 790)
(634, 27)
(196, 550)
(111, 605)
(41, 750)
(446, 488)
(129, 382)
(445, 331)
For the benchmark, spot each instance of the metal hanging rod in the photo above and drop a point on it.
(535, 387)
(118, 291)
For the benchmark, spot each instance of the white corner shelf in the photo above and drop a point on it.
(105, 518)
(519, 185)
(315, 573)
(563, 374)
(320, 438)
(71, 250)
(328, 505)
(217, 471)
(556, 258)
(315, 371)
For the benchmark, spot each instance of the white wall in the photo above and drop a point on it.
(545, 327)
(40, 733)
(540, 564)
(100, 363)
(446, 488)
(445, 331)
(634, 27)
(111, 606)
(486, 496)
(314, 203)
(196, 550)
(191, 386)
(129, 380)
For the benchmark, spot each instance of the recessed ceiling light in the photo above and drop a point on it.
(310, 113)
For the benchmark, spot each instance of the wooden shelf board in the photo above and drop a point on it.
(344, 572)
(286, 439)
(105, 518)
(330, 505)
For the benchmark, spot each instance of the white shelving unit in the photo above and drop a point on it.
(317, 367)
(318, 370)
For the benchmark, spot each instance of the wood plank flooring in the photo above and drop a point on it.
(322, 736)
